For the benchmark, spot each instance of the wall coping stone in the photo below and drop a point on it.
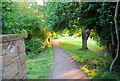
(11, 37)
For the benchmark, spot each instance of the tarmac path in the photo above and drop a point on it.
(64, 67)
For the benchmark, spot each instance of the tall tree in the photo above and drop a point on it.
(85, 36)
(59, 16)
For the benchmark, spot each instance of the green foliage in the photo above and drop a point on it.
(40, 67)
(95, 16)
(32, 45)
(95, 65)
(61, 15)
(25, 17)
(102, 22)
(73, 15)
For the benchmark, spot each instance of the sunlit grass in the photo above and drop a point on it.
(95, 65)
(40, 67)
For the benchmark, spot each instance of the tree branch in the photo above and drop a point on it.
(117, 34)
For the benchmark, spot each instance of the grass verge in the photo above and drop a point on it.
(95, 65)
(40, 67)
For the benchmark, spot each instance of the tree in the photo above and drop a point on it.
(85, 35)
(103, 24)
(59, 16)
(97, 16)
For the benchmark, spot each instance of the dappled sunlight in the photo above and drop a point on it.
(89, 72)
(73, 74)
(71, 61)
(88, 32)
(92, 63)
(77, 42)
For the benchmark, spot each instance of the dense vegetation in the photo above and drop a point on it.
(25, 17)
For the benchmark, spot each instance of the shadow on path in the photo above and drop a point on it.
(64, 67)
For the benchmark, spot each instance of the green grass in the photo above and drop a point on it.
(95, 65)
(40, 67)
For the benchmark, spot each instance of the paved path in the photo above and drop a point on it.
(64, 67)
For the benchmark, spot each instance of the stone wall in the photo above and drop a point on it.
(12, 56)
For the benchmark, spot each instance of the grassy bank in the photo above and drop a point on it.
(94, 62)
(40, 67)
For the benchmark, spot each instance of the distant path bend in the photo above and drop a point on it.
(64, 67)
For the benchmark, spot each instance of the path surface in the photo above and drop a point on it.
(64, 67)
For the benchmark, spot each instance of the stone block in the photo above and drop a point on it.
(10, 71)
(0, 76)
(4, 48)
(12, 37)
(22, 71)
(1, 61)
(15, 53)
(17, 76)
(22, 58)
(15, 58)
(1, 67)
(22, 41)
(18, 64)
(22, 48)
(10, 48)
(0, 49)
(24, 76)
(18, 49)
(7, 59)
(12, 56)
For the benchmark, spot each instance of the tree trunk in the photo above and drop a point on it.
(85, 35)
(117, 35)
